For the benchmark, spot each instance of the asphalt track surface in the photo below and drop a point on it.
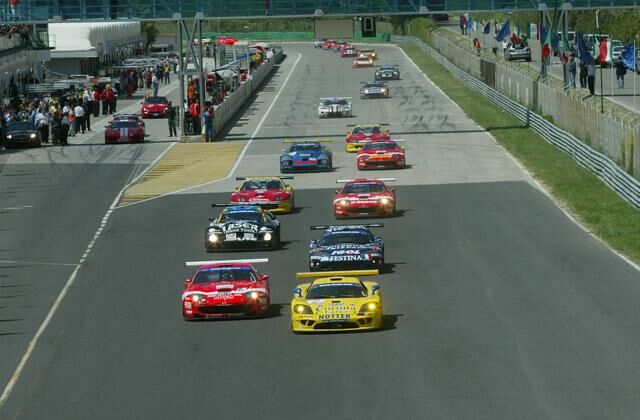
(496, 304)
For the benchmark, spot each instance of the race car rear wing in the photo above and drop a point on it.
(382, 124)
(342, 181)
(306, 141)
(247, 261)
(318, 274)
(366, 225)
(244, 178)
(336, 98)
(267, 205)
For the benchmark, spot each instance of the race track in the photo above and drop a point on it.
(496, 304)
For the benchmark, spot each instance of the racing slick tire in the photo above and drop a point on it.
(275, 244)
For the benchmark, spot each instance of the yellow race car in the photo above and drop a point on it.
(370, 52)
(337, 301)
(361, 134)
(269, 192)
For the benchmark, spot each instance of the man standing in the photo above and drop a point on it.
(80, 121)
(194, 111)
(156, 84)
(572, 71)
(171, 119)
(621, 71)
(591, 77)
(96, 101)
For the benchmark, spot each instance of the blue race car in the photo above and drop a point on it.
(309, 155)
(346, 247)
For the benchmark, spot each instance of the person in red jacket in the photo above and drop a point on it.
(96, 101)
(107, 100)
(194, 111)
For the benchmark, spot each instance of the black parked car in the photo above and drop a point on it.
(21, 133)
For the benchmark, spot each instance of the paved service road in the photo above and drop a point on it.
(497, 305)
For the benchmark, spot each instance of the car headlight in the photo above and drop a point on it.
(197, 299)
(385, 201)
(323, 161)
(278, 198)
(368, 307)
(252, 295)
(33, 135)
(287, 162)
(303, 309)
(383, 90)
(267, 236)
(344, 202)
(9, 136)
(213, 237)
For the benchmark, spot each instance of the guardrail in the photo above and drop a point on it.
(236, 100)
(600, 165)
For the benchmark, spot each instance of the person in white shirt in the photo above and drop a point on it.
(80, 121)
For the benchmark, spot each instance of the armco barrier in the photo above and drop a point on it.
(603, 167)
(236, 100)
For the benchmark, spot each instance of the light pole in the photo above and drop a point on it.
(601, 84)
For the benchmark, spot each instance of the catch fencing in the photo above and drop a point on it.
(599, 164)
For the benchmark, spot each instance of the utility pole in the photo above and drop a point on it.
(601, 83)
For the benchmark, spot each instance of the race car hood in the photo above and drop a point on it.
(364, 196)
(258, 195)
(237, 226)
(307, 154)
(346, 252)
(155, 107)
(368, 136)
(214, 288)
(335, 307)
(380, 152)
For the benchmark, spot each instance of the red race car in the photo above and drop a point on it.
(381, 154)
(128, 117)
(349, 52)
(225, 289)
(266, 190)
(362, 61)
(123, 131)
(364, 197)
(328, 44)
(155, 106)
(362, 134)
(340, 45)
(226, 40)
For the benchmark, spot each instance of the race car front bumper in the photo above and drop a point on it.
(354, 322)
(224, 244)
(249, 308)
(381, 164)
(376, 262)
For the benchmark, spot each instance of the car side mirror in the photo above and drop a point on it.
(264, 277)
(375, 289)
(187, 281)
(298, 292)
(236, 189)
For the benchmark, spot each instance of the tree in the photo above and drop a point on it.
(150, 33)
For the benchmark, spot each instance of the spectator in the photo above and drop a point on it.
(167, 74)
(42, 123)
(621, 71)
(97, 97)
(171, 119)
(208, 123)
(194, 111)
(14, 5)
(65, 124)
(572, 71)
(583, 75)
(56, 126)
(81, 124)
(156, 84)
(463, 25)
(591, 77)
(71, 122)
(476, 46)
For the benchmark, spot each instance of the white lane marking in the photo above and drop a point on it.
(38, 263)
(242, 153)
(34, 341)
(417, 123)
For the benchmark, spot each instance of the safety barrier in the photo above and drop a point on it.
(603, 167)
(236, 100)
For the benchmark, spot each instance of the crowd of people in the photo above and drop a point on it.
(16, 30)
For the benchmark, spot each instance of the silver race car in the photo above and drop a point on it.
(374, 90)
(387, 72)
(335, 107)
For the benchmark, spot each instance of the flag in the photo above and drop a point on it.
(603, 51)
(583, 53)
(565, 48)
(475, 26)
(609, 56)
(515, 39)
(546, 47)
(505, 31)
(628, 56)
(487, 28)
(596, 50)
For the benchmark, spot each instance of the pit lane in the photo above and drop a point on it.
(497, 305)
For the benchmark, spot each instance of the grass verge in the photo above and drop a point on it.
(598, 207)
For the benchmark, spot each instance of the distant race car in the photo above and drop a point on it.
(387, 72)
(346, 247)
(337, 301)
(349, 52)
(369, 52)
(374, 90)
(225, 289)
(123, 131)
(362, 134)
(155, 106)
(311, 155)
(242, 227)
(364, 198)
(340, 45)
(270, 192)
(328, 44)
(362, 61)
(381, 154)
(319, 42)
(335, 107)
(128, 117)
(225, 40)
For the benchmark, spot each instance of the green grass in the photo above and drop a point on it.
(593, 203)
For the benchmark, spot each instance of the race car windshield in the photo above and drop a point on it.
(335, 102)
(363, 188)
(338, 238)
(232, 216)
(270, 184)
(213, 275)
(337, 290)
(124, 124)
(157, 100)
(20, 126)
(305, 148)
(367, 130)
(381, 146)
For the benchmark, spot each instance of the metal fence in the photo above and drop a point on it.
(602, 166)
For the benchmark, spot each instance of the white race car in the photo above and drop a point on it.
(335, 107)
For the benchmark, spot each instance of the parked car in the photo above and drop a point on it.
(517, 51)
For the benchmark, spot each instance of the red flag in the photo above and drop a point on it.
(546, 48)
(515, 39)
(603, 51)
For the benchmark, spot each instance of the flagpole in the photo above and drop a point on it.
(635, 76)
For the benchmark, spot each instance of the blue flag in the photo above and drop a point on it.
(487, 28)
(583, 53)
(628, 56)
(505, 32)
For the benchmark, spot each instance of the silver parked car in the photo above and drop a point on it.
(517, 51)
(335, 107)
